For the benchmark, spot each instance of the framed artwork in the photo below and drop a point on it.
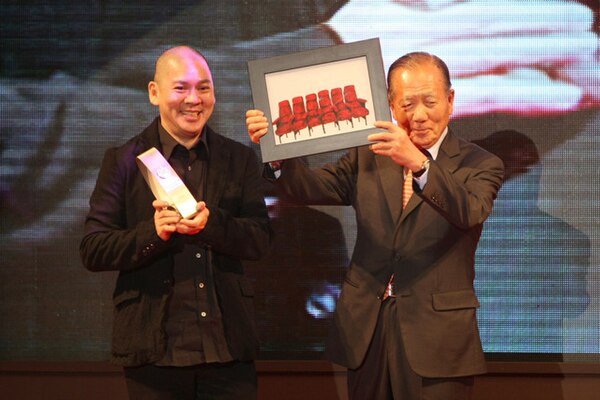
(320, 100)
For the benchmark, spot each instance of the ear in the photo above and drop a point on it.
(392, 108)
(451, 101)
(153, 92)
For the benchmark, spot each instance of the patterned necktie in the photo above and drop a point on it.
(407, 190)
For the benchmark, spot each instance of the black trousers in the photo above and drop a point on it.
(227, 381)
(386, 374)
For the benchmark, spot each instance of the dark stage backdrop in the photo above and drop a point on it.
(73, 79)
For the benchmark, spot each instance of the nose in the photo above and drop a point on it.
(192, 97)
(420, 113)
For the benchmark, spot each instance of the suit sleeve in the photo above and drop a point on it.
(465, 197)
(333, 184)
(115, 237)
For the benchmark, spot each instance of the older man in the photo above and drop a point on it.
(405, 322)
(183, 326)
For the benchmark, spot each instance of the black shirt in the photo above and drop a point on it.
(194, 324)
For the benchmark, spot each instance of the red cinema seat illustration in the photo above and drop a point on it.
(300, 115)
(284, 121)
(328, 114)
(343, 111)
(357, 106)
(314, 114)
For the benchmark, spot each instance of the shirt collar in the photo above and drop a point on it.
(435, 149)
(168, 142)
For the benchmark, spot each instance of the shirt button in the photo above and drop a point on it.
(189, 167)
(201, 285)
(198, 255)
(203, 314)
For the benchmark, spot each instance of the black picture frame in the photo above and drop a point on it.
(340, 70)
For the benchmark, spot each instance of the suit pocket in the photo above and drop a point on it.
(127, 322)
(455, 300)
(350, 282)
(126, 297)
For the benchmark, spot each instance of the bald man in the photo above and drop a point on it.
(183, 310)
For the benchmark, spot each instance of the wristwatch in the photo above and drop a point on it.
(424, 168)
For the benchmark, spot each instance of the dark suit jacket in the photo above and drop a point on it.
(120, 235)
(430, 248)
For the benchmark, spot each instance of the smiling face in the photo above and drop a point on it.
(421, 102)
(183, 91)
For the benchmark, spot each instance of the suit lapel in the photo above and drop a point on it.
(449, 149)
(391, 177)
(414, 201)
(150, 137)
(218, 163)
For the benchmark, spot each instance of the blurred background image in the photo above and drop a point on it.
(73, 82)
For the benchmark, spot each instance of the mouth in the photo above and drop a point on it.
(419, 130)
(195, 114)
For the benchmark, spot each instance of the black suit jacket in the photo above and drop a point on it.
(429, 246)
(120, 235)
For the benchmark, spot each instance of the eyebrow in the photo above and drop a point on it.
(185, 82)
(412, 96)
